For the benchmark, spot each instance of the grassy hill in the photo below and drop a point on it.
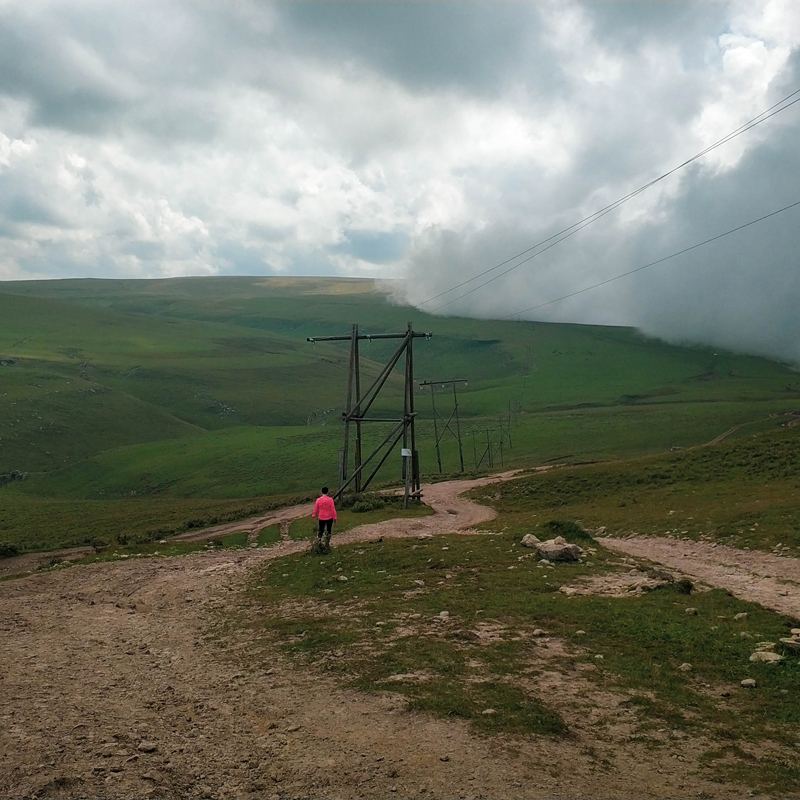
(205, 389)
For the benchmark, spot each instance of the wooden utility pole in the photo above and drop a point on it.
(454, 414)
(358, 405)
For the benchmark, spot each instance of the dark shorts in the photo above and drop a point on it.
(323, 524)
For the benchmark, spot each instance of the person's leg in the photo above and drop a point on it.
(321, 528)
(328, 529)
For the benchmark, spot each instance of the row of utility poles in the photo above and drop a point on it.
(358, 405)
(496, 438)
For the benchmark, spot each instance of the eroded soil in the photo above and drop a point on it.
(770, 580)
(114, 683)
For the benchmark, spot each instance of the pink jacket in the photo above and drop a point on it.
(324, 508)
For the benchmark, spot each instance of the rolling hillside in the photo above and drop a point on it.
(205, 388)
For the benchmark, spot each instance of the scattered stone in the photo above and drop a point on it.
(691, 612)
(444, 614)
(685, 667)
(488, 712)
(415, 616)
(748, 683)
(444, 758)
(293, 729)
(544, 562)
(539, 632)
(146, 746)
(529, 540)
(795, 631)
(559, 550)
(746, 635)
(792, 644)
(766, 657)
(580, 633)
(740, 616)
(598, 657)
(419, 582)
(341, 578)
(569, 591)
(765, 646)
(660, 575)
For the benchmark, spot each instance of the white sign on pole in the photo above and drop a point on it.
(405, 452)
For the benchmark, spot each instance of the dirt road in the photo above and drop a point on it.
(114, 684)
(773, 581)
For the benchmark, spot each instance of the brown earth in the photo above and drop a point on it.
(115, 682)
(770, 580)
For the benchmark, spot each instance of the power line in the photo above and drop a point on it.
(653, 263)
(566, 233)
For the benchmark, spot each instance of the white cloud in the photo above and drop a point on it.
(379, 139)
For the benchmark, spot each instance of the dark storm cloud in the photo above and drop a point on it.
(473, 47)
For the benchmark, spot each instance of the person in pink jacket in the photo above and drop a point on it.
(325, 512)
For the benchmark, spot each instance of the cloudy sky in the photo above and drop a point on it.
(422, 140)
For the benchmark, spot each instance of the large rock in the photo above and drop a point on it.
(529, 540)
(559, 549)
(766, 657)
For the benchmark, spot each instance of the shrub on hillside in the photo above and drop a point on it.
(567, 528)
(368, 502)
(10, 477)
(8, 550)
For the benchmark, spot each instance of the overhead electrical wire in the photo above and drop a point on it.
(654, 263)
(571, 230)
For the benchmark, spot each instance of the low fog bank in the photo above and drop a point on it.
(741, 292)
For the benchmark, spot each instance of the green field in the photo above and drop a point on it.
(744, 492)
(170, 399)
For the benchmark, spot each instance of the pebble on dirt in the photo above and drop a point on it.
(685, 667)
(749, 683)
(740, 616)
(147, 747)
(690, 612)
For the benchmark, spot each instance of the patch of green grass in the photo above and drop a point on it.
(269, 535)
(237, 539)
(770, 771)
(490, 580)
(32, 523)
(744, 492)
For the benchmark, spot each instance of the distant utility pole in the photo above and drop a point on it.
(505, 427)
(358, 405)
(457, 432)
(489, 450)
